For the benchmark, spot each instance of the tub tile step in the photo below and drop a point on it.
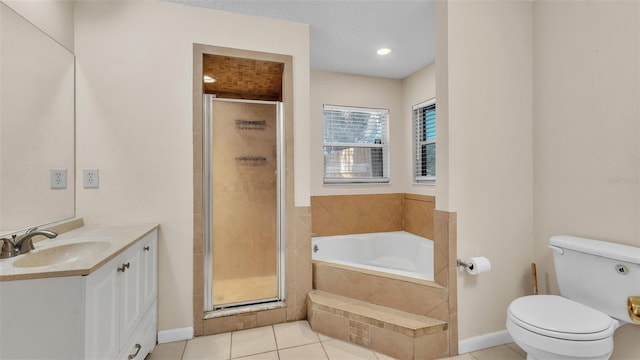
(380, 316)
(420, 297)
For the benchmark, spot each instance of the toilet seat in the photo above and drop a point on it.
(560, 318)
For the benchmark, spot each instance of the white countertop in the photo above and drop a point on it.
(119, 237)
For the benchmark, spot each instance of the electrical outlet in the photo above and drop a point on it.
(90, 178)
(58, 178)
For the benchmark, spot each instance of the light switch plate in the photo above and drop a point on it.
(58, 178)
(90, 178)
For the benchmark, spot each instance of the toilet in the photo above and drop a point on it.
(597, 281)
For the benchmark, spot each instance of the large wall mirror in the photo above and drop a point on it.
(36, 126)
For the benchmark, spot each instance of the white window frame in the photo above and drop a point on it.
(384, 146)
(418, 143)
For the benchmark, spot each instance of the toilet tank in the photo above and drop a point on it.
(599, 274)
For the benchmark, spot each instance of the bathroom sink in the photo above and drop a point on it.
(62, 254)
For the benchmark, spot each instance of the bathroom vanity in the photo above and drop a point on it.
(90, 293)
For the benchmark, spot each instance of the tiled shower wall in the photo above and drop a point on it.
(298, 275)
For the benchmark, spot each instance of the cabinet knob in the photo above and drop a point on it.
(124, 267)
(138, 347)
(146, 248)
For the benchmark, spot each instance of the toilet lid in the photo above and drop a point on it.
(560, 317)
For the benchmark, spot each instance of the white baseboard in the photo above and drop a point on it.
(464, 346)
(172, 335)
(484, 341)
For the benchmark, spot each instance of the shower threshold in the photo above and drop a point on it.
(241, 309)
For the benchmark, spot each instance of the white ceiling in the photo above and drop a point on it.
(345, 35)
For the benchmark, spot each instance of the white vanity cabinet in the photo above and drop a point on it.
(121, 304)
(105, 311)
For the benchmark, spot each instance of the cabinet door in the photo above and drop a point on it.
(102, 291)
(130, 311)
(149, 282)
(143, 340)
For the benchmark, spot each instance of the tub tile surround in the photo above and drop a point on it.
(418, 215)
(404, 300)
(420, 297)
(445, 245)
(356, 214)
(348, 214)
(299, 259)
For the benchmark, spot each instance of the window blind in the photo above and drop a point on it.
(424, 124)
(355, 144)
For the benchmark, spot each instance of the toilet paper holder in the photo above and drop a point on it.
(462, 263)
(475, 265)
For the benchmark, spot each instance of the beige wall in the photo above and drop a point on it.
(416, 88)
(490, 153)
(530, 153)
(586, 132)
(53, 17)
(134, 120)
(442, 94)
(355, 90)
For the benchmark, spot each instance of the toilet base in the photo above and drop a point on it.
(543, 355)
(535, 346)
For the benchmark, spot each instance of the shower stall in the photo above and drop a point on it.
(244, 203)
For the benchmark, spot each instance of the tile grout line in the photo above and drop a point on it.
(275, 339)
(514, 350)
(297, 346)
(184, 348)
(251, 355)
(323, 349)
(321, 342)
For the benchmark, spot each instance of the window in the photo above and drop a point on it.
(355, 145)
(424, 126)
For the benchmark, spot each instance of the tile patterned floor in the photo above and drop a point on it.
(293, 341)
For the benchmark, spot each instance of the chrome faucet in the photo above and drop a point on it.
(23, 244)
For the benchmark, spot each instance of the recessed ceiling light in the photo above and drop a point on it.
(384, 51)
(208, 79)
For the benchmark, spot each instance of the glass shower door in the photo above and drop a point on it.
(244, 202)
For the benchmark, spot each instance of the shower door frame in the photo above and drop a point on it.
(227, 309)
